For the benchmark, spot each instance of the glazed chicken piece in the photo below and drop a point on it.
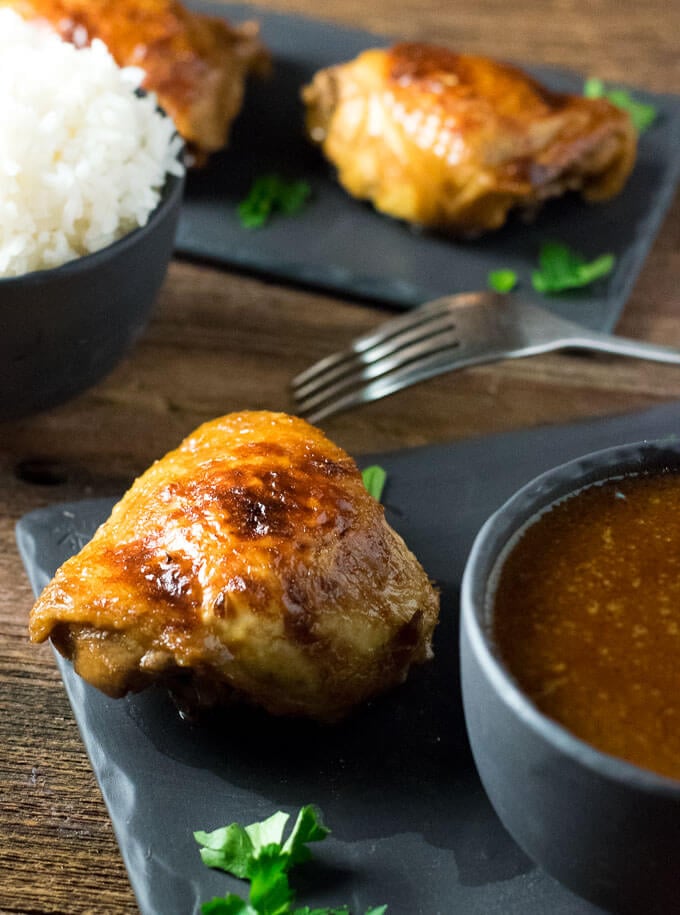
(197, 65)
(250, 562)
(454, 142)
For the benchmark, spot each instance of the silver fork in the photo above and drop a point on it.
(442, 336)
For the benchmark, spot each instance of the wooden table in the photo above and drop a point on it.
(220, 341)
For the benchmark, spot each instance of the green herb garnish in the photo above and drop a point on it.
(502, 280)
(235, 848)
(271, 194)
(259, 854)
(561, 268)
(374, 480)
(641, 114)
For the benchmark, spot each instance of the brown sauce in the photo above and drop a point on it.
(587, 617)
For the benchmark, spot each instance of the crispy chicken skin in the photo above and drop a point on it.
(453, 141)
(197, 65)
(249, 562)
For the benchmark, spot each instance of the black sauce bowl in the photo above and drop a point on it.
(65, 328)
(608, 830)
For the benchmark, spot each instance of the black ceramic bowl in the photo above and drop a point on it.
(66, 328)
(606, 829)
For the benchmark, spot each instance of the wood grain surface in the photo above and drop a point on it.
(221, 341)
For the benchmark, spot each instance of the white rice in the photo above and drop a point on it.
(83, 158)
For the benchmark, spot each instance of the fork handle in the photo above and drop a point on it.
(624, 346)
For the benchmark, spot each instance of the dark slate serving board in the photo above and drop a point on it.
(342, 245)
(411, 824)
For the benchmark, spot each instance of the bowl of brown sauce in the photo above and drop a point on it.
(570, 661)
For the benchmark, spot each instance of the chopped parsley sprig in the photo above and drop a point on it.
(374, 478)
(270, 194)
(236, 848)
(503, 280)
(559, 268)
(562, 268)
(258, 853)
(641, 114)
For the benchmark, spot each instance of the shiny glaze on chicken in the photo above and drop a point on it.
(251, 561)
(455, 141)
(196, 64)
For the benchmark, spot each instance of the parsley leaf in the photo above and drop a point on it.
(374, 478)
(267, 832)
(502, 280)
(561, 268)
(258, 853)
(235, 848)
(308, 827)
(271, 194)
(641, 114)
(229, 849)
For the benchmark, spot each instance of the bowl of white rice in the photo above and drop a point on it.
(91, 180)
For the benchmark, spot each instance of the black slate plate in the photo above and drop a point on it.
(411, 823)
(342, 245)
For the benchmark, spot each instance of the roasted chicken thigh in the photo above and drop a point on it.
(453, 141)
(250, 562)
(197, 65)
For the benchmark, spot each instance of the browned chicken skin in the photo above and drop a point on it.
(251, 561)
(196, 65)
(455, 141)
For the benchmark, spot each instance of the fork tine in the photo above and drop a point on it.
(430, 365)
(446, 341)
(430, 326)
(382, 333)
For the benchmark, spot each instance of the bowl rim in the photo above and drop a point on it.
(171, 194)
(590, 468)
